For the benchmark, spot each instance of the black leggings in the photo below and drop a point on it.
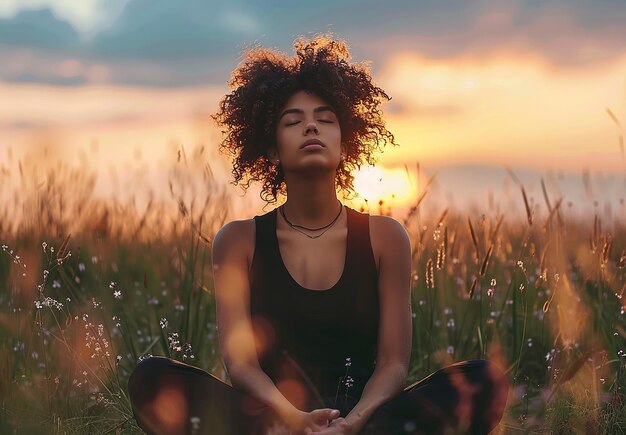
(168, 396)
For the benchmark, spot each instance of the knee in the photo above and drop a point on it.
(158, 397)
(483, 370)
(495, 376)
(146, 374)
(492, 395)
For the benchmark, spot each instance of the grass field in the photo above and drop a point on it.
(88, 287)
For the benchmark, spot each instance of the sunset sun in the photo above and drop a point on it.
(373, 183)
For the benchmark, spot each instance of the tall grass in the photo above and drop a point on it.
(89, 287)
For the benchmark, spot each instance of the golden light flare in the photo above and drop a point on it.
(239, 340)
(502, 106)
(169, 409)
(294, 391)
(375, 183)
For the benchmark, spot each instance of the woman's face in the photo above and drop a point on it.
(307, 118)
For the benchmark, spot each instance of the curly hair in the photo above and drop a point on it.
(264, 81)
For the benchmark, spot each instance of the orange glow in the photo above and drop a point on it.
(499, 107)
(238, 341)
(375, 183)
(294, 391)
(503, 107)
(169, 409)
(573, 317)
(264, 334)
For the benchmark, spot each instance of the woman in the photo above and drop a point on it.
(313, 298)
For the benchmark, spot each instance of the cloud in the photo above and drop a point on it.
(86, 16)
(38, 28)
(566, 34)
(166, 43)
(165, 30)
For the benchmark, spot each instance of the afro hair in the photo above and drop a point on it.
(263, 82)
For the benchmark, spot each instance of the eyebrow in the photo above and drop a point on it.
(300, 111)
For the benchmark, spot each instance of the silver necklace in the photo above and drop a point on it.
(327, 227)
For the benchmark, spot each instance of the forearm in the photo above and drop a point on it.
(384, 384)
(254, 381)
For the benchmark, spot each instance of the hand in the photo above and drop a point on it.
(339, 426)
(305, 422)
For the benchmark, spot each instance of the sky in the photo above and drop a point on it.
(475, 85)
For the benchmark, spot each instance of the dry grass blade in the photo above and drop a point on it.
(621, 263)
(483, 267)
(474, 240)
(493, 235)
(61, 251)
(181, 153)
(472, 288)
(441, 256)
(592, 246)
(423, 194)
(422, 234)
(571, 371)
(606, 249)
(421, 198)
(144, 218)
(552, 210)
(593, 239)
(430, 274)
(408, 175)
(208, 172)
(182, 208)
(545, 194)
(529, 215)
(442, 217)
(513, 176)
(613, 117)
(546, 305)
(204, 238)
(542, 264)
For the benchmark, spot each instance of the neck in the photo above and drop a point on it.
(310, 202)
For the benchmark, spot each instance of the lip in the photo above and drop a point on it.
(312, 142)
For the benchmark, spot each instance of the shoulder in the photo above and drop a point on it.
(387, 235)
(236, 236)
(387, 228)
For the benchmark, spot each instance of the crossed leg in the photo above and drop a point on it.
(465, 397)
(169, 397)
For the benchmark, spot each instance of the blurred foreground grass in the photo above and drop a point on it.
(88, 287)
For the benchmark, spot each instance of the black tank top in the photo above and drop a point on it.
(316, 329)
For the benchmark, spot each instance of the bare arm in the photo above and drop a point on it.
(235, 332)
(395, 328)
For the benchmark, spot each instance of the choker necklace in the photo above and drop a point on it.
(326, 227)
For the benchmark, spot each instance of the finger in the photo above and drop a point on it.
(331, 413)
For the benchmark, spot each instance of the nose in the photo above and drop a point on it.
(311, 126)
